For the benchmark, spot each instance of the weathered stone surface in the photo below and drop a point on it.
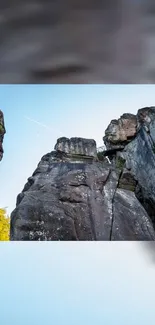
(71, 199)
(121, 131)
(126, 207)
(139, 157)
(146, 118)
(127, 181)
(2, 132)
(77, 146)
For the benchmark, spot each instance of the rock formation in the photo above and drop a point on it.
(132, 140)
(74, 195)
(2, 132)
(121, 131)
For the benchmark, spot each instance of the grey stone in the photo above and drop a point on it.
(139, 156)
(2, 133)
(67, 199)
(77, 146)
(127, 208)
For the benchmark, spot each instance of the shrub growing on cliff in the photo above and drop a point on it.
(120, 162)
(4, 226)
(153, 148)
(100, 156)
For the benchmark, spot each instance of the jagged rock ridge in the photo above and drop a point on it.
(74, 196)
(2, 132)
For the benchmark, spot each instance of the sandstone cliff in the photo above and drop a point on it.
(2, 132)
(75, 195)
(132, 140)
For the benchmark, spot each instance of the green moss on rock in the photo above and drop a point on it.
(153, 148)
(100, 156)
(120, 162)
(2, 130)
(128, 187)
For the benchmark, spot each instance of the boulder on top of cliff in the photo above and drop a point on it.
(2, 132)
(77, 146)
(121, 131)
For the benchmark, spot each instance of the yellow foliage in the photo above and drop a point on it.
(4, 226)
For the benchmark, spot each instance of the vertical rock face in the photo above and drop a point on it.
(138, 153)
(73, 196)
(2, 132)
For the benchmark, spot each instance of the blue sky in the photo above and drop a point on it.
(36, 115)
(76, 284)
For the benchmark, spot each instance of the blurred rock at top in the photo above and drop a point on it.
(77, 41)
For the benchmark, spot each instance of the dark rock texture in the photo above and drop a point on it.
(2, 132)
(73, 196)
(138, 155)
(121, 131)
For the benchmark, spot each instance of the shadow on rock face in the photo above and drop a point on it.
(148, 251)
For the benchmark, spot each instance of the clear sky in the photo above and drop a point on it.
(36, 115)
(76, 284)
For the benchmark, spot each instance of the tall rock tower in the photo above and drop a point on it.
(2, 132)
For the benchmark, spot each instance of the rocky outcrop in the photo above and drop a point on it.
(137, 151)
(2, 132)
(121, 131)
(72, 195)
(77, 147)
